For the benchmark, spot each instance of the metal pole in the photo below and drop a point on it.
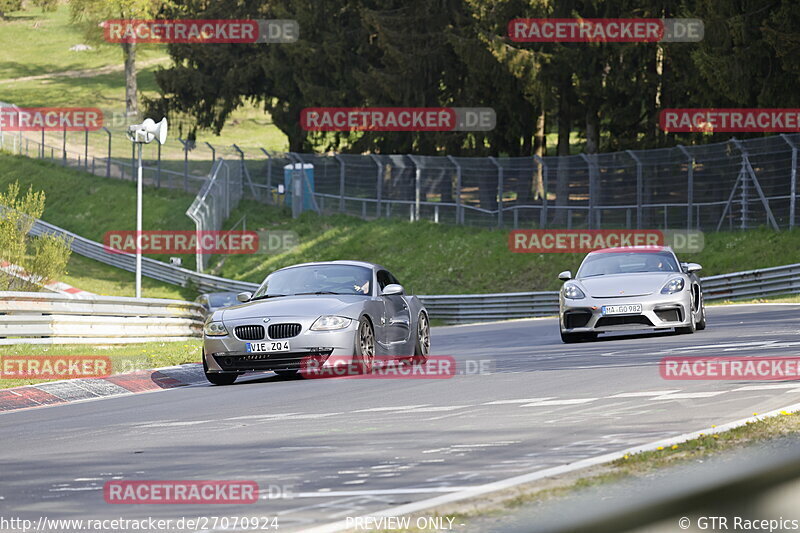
(86, 148)
(64, 146)
(378, 184)
(638, 188)
(108, 156)
(269, 175)
(158, 168)
(139, 225)
(341, 181)
(499, 192)
(793, 184)
(42, 157)
(592, 191)
(414, 212)
(459, 207)
(213, 153)
(689, 186)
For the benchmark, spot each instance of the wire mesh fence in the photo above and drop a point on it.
(722, 186)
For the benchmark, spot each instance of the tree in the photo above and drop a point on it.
(9, 5)
(92, 13)
(41, 258)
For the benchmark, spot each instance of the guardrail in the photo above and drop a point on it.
(44, 318)
(457, 308)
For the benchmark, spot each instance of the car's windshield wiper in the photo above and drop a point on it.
(265, 296)
(593, 275)
(316, 292)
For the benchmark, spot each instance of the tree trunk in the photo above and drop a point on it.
(564, 130)
(539, 149)
(131, 102)
(592, 132)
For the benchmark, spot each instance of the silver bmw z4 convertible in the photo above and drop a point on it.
(630, 288)
(329, 311)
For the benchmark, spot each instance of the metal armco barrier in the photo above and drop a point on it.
(457, 308)
(44, 318)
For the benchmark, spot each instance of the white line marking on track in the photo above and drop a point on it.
(769, 387)
(643, 394)
(395, 408)
(519, 400)
(438, 409)
(688, 395)
(547, 403)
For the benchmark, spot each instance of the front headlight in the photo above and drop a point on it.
(330, 322)
(674, 285)
(214, 329)
(573, 292)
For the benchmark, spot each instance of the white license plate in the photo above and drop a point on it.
(624, 309)
(268, 347)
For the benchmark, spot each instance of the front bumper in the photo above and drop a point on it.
(659, 311)
(228, 353)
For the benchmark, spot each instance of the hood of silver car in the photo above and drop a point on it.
(294, 306)
(623, 285)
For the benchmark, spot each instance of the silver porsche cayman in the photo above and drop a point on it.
(348, 309)
(630, 288)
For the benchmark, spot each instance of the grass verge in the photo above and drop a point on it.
(124, 357)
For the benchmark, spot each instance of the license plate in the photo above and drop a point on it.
(268, 347)
(624, 309)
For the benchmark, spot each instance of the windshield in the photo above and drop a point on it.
(222, 299)
(317, 279)
(600, 264)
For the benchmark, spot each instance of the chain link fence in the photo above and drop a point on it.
(723, 186)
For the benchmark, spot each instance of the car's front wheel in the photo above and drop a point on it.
(217, 378)
(692, 327)
(364, 352)
(422, 347)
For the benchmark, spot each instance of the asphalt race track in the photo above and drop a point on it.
(335, 448)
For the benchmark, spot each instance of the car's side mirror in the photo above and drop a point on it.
(565, 276)
(693, 267)
(244, 296)
(393, 289)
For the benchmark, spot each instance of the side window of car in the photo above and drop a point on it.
(384, 279)
(393, 279)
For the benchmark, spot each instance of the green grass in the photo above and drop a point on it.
(439, 259)
(124, 357)
(428, 258)
(89, 206)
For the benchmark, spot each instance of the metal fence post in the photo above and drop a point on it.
(341, 181)
(793, 184)
(689, 187)
(459, 207)
(63, 146)
(590, 165)
(213, 152)
(108, 155)
(158, 167)
(417, 187)
(543, 211)
(499, 192)
(269, 175)
(378, 184)
(42, 156)
(638, 188)
(86, 148)
(185, 164)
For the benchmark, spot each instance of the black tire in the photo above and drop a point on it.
(422, 346)
(364, 349)
(701, 325)
(218, 378)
